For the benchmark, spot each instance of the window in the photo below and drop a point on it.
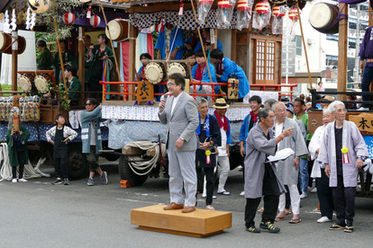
(265, 61)
(298, 45)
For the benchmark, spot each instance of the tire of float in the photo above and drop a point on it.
(126, 173)
(78, 166)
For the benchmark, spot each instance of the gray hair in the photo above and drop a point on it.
(270, 102)
(332, 107)
(325, 111)
(201, 100)
(264, 112)
(276, 104)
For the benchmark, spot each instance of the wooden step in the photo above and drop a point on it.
(200, 223)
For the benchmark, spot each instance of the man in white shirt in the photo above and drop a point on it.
(180, 114)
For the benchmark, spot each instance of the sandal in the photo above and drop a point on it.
(253, 229)
(287, 212)
(261, 210)
(209, 207)
(295, 221)
(279, 218)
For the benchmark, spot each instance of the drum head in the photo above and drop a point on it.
(24, 83)
(154, 72)
(42, 84)
(115, 30)
(2, 41)
(176, 68)
(321, 15)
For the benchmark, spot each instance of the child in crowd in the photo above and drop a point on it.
(62, 135)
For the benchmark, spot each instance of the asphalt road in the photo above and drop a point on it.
(39, 214)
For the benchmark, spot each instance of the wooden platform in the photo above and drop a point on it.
(200, 223)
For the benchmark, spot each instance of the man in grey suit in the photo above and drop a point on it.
(180, 114)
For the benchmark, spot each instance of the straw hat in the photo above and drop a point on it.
(328, 98)
(220, 104)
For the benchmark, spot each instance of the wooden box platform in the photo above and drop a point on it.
(200, 223)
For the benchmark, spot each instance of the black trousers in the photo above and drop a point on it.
(271, 197)
(60, 167)
(287, 197)
(21, 162)
(325, 195)
(344, 202)
(209, 172)
(243, 169)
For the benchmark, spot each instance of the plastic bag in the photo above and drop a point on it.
(244, 12)
(203, 8)
(225, 13)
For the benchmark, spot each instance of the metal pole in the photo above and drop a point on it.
(14, 60)
(357, 59)
(304, 46)
(287, 58)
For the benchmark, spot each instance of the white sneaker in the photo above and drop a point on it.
(303, 195)
(14, 180)
(204, 196)
(324, 219)
(242, 193)
(314, 190)
(363, 109)
(22, 180)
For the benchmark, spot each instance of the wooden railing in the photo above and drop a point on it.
(262, 87)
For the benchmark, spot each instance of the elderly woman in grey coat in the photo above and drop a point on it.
(261, 178)
(342, 152)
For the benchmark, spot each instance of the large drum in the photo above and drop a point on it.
(178, 68)
(43, 82)
(119, 29)
(325, 17)
(155, 72)
(6, 43)
(25, 82)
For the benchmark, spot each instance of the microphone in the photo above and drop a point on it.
(163, 98)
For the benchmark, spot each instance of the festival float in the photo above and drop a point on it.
(133, 131)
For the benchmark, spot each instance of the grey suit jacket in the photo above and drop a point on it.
(182, 123)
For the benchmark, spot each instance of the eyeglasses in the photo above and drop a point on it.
(170, 84)
(87, 104)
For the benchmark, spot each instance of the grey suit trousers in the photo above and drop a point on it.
(182, 172)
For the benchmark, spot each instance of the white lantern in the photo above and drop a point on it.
(69, 18)
(95, 20)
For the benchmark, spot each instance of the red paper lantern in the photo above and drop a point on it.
(277, 11)
(206, 1)
(224, 4)
(95, 20)
(293, 14)
(263, 7)
(243, 5)
(69, 18)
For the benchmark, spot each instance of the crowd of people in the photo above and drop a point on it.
(171, 44)
(198, 142)
(99, 60)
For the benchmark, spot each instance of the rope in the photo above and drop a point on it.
(6, 169)
(140, 166)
